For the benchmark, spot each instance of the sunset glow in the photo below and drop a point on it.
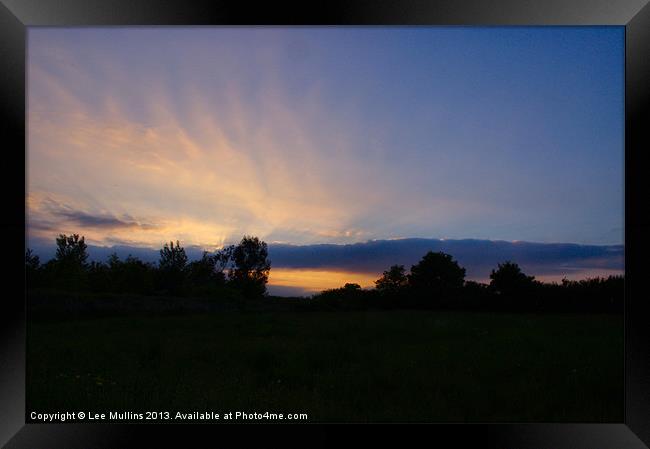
(312, 281)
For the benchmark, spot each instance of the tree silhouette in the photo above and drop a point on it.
(71, 250)
(509, 280)
(392, 281)
(437, 275)
(32, 266)
(250, 271)
(32, 261)
(172, 257)
(171, 268)
(70, 262)
(204, 273)
(223, 259)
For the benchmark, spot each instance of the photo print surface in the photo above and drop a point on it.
(341, 224)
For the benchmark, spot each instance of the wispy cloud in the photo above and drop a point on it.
(85, 220)
(59, 212)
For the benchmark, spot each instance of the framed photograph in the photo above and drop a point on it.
(424, 214)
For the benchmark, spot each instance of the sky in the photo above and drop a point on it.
(330, 135)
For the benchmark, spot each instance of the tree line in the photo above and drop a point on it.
(437, 281)
(236, 269)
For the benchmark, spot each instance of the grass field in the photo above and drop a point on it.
(421, 366)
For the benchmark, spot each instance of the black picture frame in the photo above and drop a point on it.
(634, 15)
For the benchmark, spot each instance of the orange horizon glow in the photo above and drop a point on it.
(314, 281)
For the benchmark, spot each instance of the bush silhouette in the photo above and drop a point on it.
(350, 296)
(131, 275)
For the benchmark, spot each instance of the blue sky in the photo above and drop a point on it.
(326, 135)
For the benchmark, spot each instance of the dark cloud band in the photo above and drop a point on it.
(477, 256)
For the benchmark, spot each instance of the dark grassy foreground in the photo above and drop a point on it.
(336, 366)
